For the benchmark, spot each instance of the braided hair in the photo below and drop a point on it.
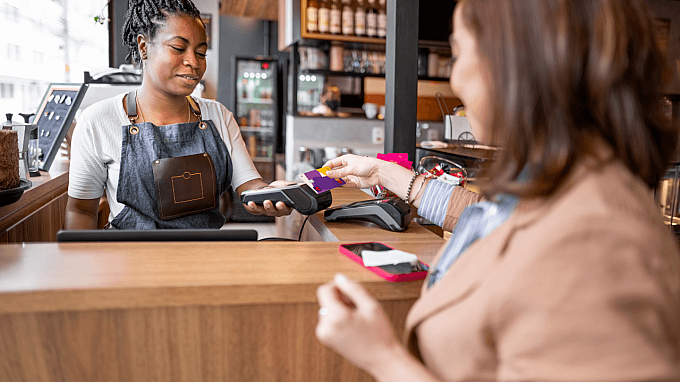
(144, 16)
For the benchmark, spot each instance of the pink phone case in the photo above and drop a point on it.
(379, 271)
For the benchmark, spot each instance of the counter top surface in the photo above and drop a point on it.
(82, 276)
(468, 152)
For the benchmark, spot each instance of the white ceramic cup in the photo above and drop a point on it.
(331, 152)
(382, 110)
(371, 110)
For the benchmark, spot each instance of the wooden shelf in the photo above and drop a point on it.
(437, 79)
(353, 74)
(343, 38)
(331, 37)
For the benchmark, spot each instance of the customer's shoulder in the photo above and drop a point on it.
(605, 223)
(610, 189)
(604, 208)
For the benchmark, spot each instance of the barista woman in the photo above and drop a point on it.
(163, 156)
(566, 272)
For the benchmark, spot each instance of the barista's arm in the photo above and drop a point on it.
(81, 214)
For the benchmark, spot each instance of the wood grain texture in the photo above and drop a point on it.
(282, 24)
(225, 311)
(42, 225)
(273, 342)
(427, 107)
(68, 276)
(258, 9)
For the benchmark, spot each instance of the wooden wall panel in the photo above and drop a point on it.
(259, 9)
(427, 109)
(273, 342)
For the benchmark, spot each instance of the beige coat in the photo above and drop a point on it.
(584, 286)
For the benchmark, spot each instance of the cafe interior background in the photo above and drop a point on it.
(187, 311)
(261, 53)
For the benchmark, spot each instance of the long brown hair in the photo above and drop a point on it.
(563, 72)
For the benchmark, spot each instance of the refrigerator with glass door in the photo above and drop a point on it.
(256, 110)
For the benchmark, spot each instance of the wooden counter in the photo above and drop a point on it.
(39, 214)
(230, 311)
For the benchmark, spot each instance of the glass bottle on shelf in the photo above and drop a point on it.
(324, 17)
(335, 17)
(313, 16)
(382, 19)
(347, 18)
(360, 18)
(252, 146)
(371, 19)
(364, 62)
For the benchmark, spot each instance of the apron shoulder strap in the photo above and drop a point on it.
(132, 106)
(194, 107)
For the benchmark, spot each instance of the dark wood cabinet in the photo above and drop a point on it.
(39, 214)
(41, 225)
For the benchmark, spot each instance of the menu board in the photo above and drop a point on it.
(55, 114)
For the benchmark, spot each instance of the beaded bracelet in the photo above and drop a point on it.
(410, 184)
(420, 188)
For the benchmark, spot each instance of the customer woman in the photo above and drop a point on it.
(123, 144)
(566, 272)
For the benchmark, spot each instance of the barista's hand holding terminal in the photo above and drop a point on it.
(566, 270)
(131, 145)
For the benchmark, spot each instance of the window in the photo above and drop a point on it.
(49, 41)
(6, 90)
(13, 52)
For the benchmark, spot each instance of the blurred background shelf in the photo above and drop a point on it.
(325, 72)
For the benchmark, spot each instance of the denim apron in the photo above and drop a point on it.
(144, 143)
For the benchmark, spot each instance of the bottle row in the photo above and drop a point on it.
(259, 146)
(342, 60)
(339, 59)
(364, 18)
(253, 118)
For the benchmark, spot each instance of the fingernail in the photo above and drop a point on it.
(340, 278)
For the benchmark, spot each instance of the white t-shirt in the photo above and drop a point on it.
(97, 143)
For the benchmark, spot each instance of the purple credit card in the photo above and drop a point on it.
(319, 182)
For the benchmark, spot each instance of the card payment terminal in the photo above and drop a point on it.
(390, 213)
(298, 196)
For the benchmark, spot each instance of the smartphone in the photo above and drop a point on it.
(393, 272)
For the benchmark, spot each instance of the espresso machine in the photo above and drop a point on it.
(667, 197)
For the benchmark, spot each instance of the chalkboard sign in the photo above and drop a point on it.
(55, 114)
